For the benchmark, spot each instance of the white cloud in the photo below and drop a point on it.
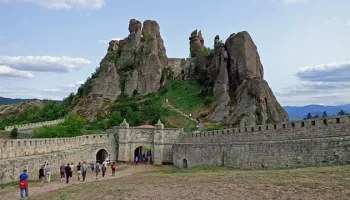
(55, 93)
(65, 4)
(330, 72)
(107, 41)
(295, 1)
(6, 71)
(348, 23)
(44, 63)
(321, 84)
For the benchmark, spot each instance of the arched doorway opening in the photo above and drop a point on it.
(184, 163)
(144, 154)
(101, 155)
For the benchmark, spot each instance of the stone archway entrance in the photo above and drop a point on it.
(101, 155)
(144, 154)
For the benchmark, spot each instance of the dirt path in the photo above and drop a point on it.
(34, 189)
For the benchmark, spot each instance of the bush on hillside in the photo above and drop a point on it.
(14, 133)
(71, 127)
(51, 111)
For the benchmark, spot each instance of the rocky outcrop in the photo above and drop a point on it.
(235, 73)
(244, 60)
(221, 82)
(132, 65)
(231, 71)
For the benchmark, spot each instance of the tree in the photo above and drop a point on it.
(342, 112)
(14, 133)
(324, 114)
(308, 116)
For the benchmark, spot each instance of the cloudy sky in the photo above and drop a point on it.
(49, 47)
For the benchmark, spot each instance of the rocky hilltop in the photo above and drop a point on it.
(132, 66)
(231, 71)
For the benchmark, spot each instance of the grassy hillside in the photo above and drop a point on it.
(173, 101)
(169, 105)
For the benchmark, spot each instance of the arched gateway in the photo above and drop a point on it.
(101, 155)
(158, 141)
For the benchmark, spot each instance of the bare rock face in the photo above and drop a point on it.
(132, 65)
(243, 97)
(221, 83)
(244, 60)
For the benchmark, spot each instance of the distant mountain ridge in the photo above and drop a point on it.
(300, 112)
(10, 101)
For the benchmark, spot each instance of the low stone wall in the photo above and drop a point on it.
(267, 154)
(12, 167)
(11, 148)
(33, 125)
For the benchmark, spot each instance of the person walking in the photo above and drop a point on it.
(62, 171)
(84, 169)
(48, 172)
(23, 183)
(68, 171)
(113, 167)
(136, 160)
(92, 165)
(104, 169)
(198, 123)
(42, 175)
(79, 170)
(72, 169)
(97, 170)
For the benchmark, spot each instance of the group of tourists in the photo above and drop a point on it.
(66, 173)
(145, 157)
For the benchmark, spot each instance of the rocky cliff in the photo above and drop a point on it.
(231, 71)
(235, 74)
(133, 65)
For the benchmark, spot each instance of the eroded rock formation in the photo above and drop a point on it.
(232, 70)
(243, 97)
(132, 65)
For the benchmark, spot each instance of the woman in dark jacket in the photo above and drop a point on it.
(68, 171)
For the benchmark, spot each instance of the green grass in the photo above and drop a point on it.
(16, 183)
(175, 120)
(211, 127)
(4, 134)
(183, 95)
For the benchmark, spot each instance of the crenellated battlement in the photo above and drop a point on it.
(33, 125)
(313, 128)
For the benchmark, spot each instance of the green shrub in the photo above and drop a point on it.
(219, 44)
(71, 127)
(51, 110)
(147, 38)
(209, 100)
(207, 51)
(126, 64)
(14, 133)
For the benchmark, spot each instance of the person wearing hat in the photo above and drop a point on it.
(23, 183)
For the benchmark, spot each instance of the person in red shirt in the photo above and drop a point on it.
(23, 183)
(114, 166)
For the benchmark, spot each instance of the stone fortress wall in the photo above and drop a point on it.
(18, 153)
(31, 126)
(119, 143)
(282, 145)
